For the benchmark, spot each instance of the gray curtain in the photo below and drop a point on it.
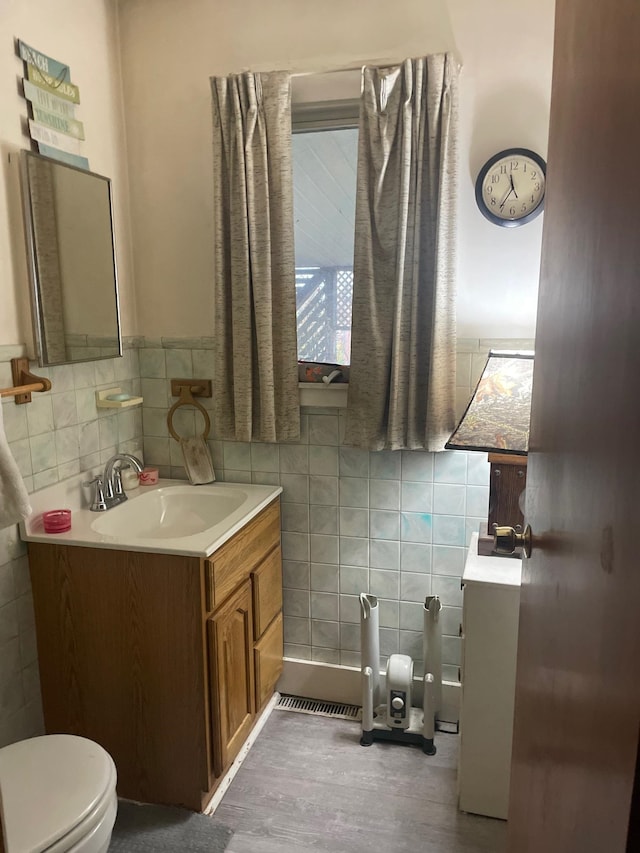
(402, 383)
(256, 378)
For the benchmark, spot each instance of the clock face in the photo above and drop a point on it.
(510, 187)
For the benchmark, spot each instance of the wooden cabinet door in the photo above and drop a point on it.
(268, 661)
(230, 638)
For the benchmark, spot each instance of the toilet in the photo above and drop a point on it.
(57, 795)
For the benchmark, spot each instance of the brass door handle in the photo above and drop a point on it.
(506, 540)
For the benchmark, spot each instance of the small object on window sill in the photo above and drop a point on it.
(333, 375)
(113, 398)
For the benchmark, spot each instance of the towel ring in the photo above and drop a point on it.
(187, 399)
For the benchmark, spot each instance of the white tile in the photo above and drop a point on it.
(384, 554)
(353, 551)
(448, 560)
(448, 589)
(40, 414)
(349, 638)
(323, 429)
(325, 634)
(354, 491)
(325, 605)
(64, 409)
(67, 444)
(384, 524)
(354, 462)
(415, 557)
(297, 630)
(108, 431)
(448, 530)
(84, 375)
(295, 602)
(354, 521)
(417, 466)
(294, 459)
(15, 421)
(89, 438)
(354, 580)
(295, 517)
(349, 608)
(295, 574)
(324, 548)
(296, 487)
(297, 651)
(388, 613)
(411, 615)
(450, 467)
(477, 501)
(86, 408)
(105, 372)
(237, 455)
(321, 655)
(384, 494)
(323, 460)
(478, 469)
(384, 584)
(179, 364)
(325, 577)
(264, 457)
(385, 464)
(295, 546)
(416, 526)
(323, 490)
(449, 499)
(43, 452)
(153, 364)
(417, 497)
(323, 519)
(414, 586)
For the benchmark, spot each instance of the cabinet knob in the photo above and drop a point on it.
(506, 540)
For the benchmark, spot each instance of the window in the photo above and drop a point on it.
(325, 151)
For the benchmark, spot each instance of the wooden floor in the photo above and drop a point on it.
(307, 784)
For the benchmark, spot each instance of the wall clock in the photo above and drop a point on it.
(510, 187)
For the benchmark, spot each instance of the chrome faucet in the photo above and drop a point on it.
(109, 491)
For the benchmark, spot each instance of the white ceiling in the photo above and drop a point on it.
(324, 188)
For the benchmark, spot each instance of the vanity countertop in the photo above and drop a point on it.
(171, 517)
(498, 571)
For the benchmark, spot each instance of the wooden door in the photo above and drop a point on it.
(578, 683)
(230, 633)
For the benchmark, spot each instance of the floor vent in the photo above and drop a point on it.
(322, 709)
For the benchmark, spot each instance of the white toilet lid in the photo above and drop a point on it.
(48, 785)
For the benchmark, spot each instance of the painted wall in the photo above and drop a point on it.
(60, 432)
(84, 35)
(169, 52)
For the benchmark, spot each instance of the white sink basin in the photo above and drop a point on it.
(171, 517)
(170, 513)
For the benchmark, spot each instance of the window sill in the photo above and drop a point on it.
(319, 394)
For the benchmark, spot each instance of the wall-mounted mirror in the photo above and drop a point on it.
(69, 228)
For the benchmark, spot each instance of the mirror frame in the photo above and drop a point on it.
(37, 307)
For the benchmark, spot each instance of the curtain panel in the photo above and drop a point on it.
(256, 377)
(402, 383)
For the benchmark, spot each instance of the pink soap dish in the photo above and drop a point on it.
(57, 520)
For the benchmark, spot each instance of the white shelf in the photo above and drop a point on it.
(103, 403)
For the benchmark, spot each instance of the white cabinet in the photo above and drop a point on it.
(489, 649)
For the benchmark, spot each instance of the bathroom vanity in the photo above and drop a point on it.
(164, 658)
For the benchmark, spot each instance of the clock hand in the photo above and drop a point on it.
(504, 200)
(513, 189)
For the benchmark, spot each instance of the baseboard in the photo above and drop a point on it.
(317, 680)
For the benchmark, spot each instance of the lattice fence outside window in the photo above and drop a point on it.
(323, 308)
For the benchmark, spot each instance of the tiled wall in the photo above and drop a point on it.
(58, 434)
(395, 524)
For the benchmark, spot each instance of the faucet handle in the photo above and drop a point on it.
(99, 503)
(118, 491)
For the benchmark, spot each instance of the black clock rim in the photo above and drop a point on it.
(497, 220)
